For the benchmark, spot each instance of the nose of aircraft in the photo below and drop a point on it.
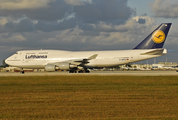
(6, 61)
(9, 60)
(12, 60)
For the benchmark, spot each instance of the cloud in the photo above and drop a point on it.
(54, 34)
(103, 34)
(7, 49)
(144, 20)
(46, 10)
(103, 15)
(55, 26)
(3, 21)
(104, 10)
(111, 27)
(165, 8)
(77, 2)
(24, 4)
(8, 37)
(25, 25)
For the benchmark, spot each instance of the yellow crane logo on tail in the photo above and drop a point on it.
(158, 36)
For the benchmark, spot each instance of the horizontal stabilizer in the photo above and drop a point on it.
(154, 52)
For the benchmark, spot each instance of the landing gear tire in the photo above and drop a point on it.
(87, 71)
(81, 71)
(71, 71)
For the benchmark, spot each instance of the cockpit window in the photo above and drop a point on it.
(16, 53)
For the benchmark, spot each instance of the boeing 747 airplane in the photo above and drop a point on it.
(81, 61)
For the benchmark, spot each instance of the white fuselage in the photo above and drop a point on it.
(37, 59)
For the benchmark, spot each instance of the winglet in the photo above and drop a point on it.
(93, 57)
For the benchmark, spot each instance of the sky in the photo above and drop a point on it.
(85, 25)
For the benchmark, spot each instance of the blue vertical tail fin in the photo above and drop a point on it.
(156, 39)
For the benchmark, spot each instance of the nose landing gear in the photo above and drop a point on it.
(22, 71)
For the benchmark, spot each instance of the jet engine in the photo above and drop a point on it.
(60, 66)
(50, 68)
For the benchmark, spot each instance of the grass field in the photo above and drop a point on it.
(89, 97)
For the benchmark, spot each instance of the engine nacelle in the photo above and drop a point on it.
(60, 66)
(64, 66)
(50, 68)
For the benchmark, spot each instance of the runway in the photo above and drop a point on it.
(97, 73)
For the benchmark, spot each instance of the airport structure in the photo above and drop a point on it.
(159, 66)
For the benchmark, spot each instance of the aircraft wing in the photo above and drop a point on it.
(79, 62)
(86, 60)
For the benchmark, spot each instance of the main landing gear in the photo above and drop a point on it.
(79, 71)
